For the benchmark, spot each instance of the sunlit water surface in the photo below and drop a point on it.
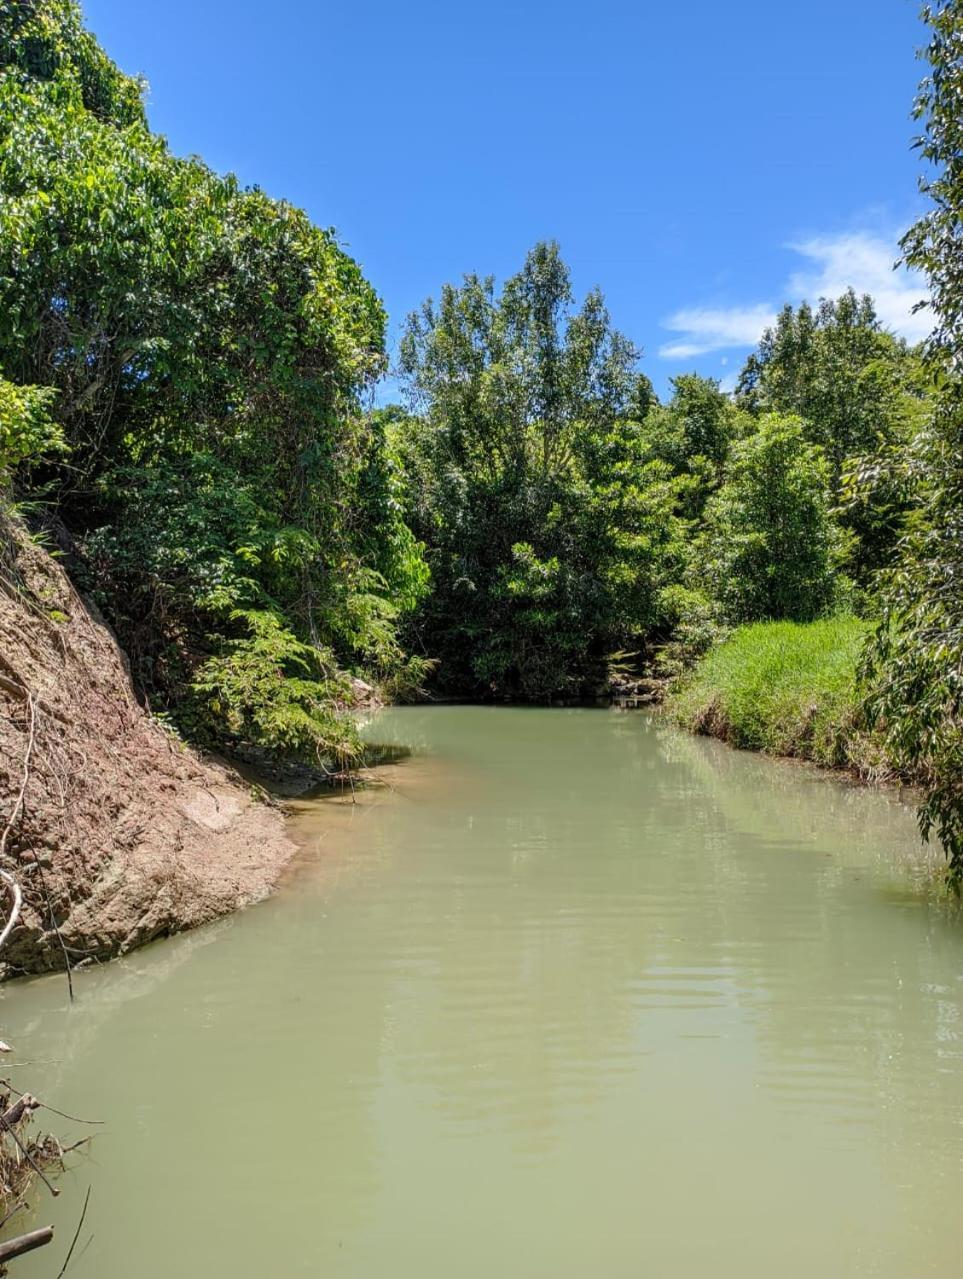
(572, 995)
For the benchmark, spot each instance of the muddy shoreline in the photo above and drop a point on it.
(124, 834)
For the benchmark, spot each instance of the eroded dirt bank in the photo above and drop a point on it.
(123, 835)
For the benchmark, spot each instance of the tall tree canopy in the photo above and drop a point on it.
(837, 369)
(549, 531)
(859, 393)
(207, 347)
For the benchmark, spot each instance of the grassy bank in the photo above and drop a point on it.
(786, 688)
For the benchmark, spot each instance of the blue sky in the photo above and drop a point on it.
(701, 161)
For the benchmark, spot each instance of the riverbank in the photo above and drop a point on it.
(787, 689)
(116, 831)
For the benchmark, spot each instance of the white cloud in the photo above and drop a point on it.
(855, 259)
(715, 328)
(864, 263)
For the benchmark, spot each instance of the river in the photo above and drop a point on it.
(566, 994)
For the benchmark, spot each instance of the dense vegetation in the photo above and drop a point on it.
(202, 351)
(784, 687)
(551, 531)
(184, 369)
(915, 667)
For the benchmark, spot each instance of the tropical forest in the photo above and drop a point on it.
(580, 719)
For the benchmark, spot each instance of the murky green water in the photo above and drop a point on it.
(577, 996)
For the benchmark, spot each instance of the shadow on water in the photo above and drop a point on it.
(377, 754)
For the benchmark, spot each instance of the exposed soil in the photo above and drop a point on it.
(124, 834)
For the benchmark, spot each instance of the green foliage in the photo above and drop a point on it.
(695, 623)
(549, 531)
(879, 503)
(46, 40)
(861, 393)
(782, 687)
(208, 347)
(770, 544)
(167, 305)
(932, 244)
(387, 543)
(26, 428)
(914, 665)
(693, 434)
(836, 368)
(915, 662)
(699, 422)
(271, 688)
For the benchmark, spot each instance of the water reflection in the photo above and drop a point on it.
(569, 994)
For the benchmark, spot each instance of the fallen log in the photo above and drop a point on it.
(11, 1248)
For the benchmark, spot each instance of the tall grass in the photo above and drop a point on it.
(787, 688)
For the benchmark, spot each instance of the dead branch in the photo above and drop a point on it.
(17, 1207)
(25, 1243)
(18, 1110)
(44, 1106)
(74, 1145)
(33, 1163)
(16, 903)
(53, 920)
(14, 887)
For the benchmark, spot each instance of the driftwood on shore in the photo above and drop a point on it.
(21, 1160)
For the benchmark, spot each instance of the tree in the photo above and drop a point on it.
(693, 434)
(860, 395)
(770, 542)
(548, 531)
(836, 368)
(698, 422)
(208, 348)
(915, 665)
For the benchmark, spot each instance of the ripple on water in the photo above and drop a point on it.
(573, 995)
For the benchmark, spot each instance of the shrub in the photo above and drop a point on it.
(26, 429)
